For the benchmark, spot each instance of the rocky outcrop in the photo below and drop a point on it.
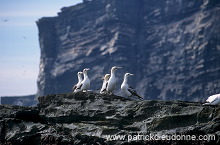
(89, 118)
(29, 100)
(172, 47)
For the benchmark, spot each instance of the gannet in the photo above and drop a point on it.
(129, 91)
(213, 100)
(112, 80)
(85, 84)
(79, 74)
(105, 83)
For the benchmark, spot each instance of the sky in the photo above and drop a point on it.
(19, 46)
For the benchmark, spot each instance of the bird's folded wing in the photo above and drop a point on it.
(134, 93)
(215, 100)
(132, 90)
(211, 98)
(80, 86)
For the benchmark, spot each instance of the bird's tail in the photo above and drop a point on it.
(73, 88)
(139, 97)
(206, 103)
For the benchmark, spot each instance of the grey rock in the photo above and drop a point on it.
(29, 100)
(172, 47)
(89, 118)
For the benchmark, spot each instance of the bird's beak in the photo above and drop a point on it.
(131, 74)
(118, 67)
(102, 78)
(87, 68)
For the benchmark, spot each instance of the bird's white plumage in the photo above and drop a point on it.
(104, 85)
(125, 86)
(112, 80)
(128, 90)
(79, 74)
(213, 100)
(86, 82)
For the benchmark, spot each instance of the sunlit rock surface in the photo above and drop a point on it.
(88, 118)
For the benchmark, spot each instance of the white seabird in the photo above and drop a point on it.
(105, 83)
(213, 100)
(85, 84)
(112, 80)
(128, 90)
(79, 74)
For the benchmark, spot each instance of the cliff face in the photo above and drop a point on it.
(89, 118)
(173, 48)
(19, 100)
